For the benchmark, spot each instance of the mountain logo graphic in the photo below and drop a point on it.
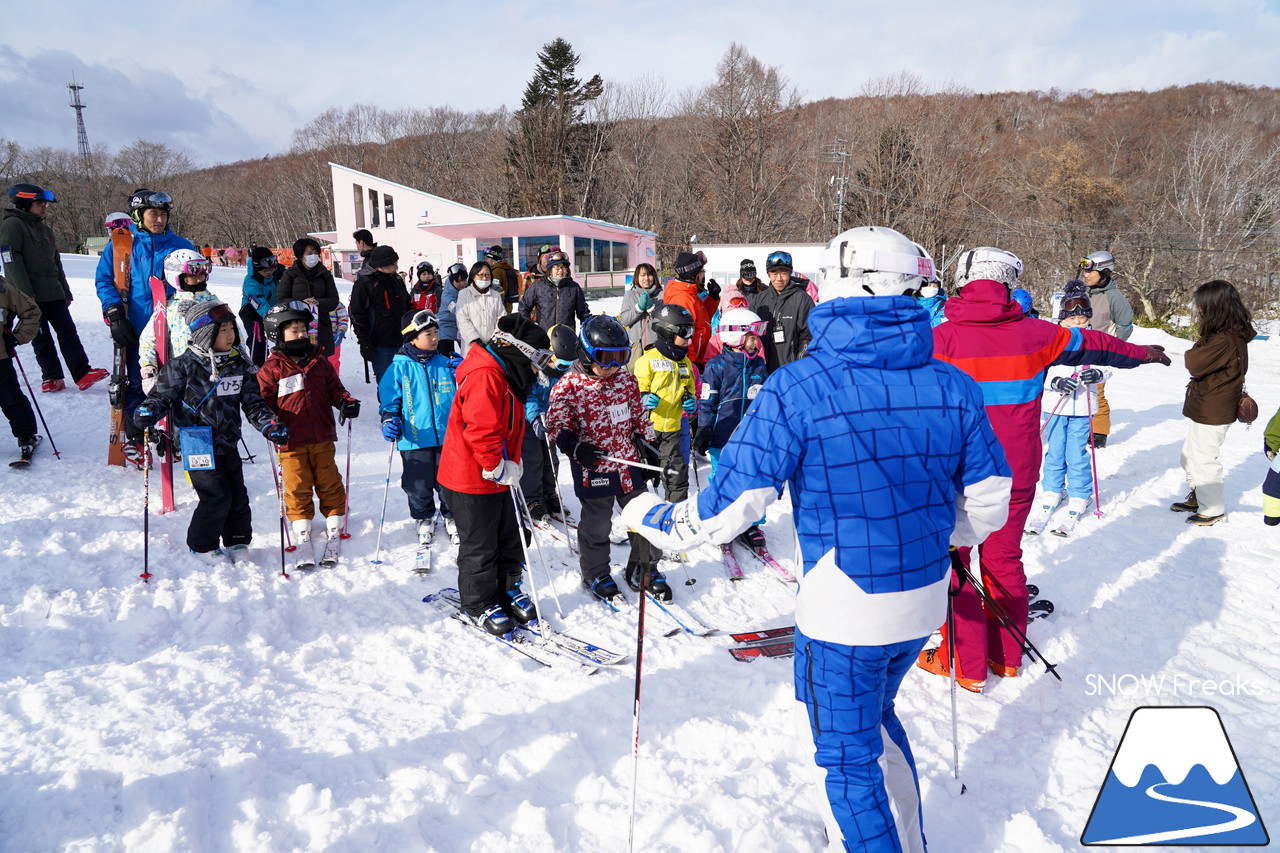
(1175, 780)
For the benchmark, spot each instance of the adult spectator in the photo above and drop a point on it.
(379, 300)
(19, 323)
(686, 290)
(641, 301)
(309, 281)
(128, 314)
(505, 276)
(556, 299)
(785, 306)
(364, 245)
(455, 280)
(1112, 314)
(748, 284)
(32, 265)
(987, 336)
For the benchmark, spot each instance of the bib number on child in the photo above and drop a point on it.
(753, 391)
(618, 414)
(662, 364)
(289, 385)
(229, 386)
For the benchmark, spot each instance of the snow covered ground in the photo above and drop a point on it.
(232, 710)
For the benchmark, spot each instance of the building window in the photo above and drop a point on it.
(373, 209)
(599, 256)
(390, 209)
(529, 247)
(358, 191)
(582, 254)
(621, 257)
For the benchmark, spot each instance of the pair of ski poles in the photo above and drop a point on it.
(1093, 452)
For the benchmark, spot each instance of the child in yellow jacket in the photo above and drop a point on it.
(665, 375)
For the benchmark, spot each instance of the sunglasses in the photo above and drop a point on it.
(217, 314)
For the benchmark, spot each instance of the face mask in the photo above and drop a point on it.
(929, 290)
(483, 285)
(309, 261)
(295, 347)
(193, 287)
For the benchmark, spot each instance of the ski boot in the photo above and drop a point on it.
(237, 553)
(657, 586)
(134, 453)
(27, 446)
(753, 538)
(494, 620)
(931, 661)
(1099, 439)
(451, 528)
(554, 508)
(306, 556)
(426, 530)
(604, 587)
(1040, 517)
(538, 510)
(521, 606)
(216, 557)
(51, 385)
(97, 374)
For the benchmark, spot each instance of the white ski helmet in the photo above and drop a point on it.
(988, 262)
(116, 220)
(736, 323)
(871, 260)
(181, 262)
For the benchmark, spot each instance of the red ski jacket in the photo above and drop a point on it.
(303, 396)
(685, 294)
(486, 425)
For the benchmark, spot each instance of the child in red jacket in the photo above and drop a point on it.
(301, 387)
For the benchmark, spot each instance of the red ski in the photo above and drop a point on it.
(160, 326)
(122, 259)
(784, 649)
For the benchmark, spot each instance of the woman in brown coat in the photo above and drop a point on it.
(1217, 362)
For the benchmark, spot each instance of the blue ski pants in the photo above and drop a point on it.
(1066, 456)
(871, 782)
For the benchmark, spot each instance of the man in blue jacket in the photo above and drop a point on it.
(890, 459)
(128, 314)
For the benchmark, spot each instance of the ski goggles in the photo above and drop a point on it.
(43, 195)
(757, 328)
(1076, 306)
(151, 200)
(554, 258)
(264, 263)
(616, 357)
(685, 331)
(778, 260)
(1087, 264)
(201, 267)
(423, 320)
(115, 221)
(539, 358)
(219, 313)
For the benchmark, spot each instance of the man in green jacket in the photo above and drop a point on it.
(33, 266)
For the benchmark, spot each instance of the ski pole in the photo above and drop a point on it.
(522, 517)
(1093, 456)
(275, 460)
(1062, 398)
(249, 457)
(1002, 616)
(275, 475)
(635, 464)
(955, 658)
(564, 518)
(36, 403)
(635, 716)
(690, 580)
(377, 554)
(146, 513)
(346, 507)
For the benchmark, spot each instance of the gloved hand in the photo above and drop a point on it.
(667, 525)
(702, 441)
(1155, 354)
(587, 454)
(506, 474)
(10, 344)
(276, 433)
(649, 400)
(147, 414)
(646, 452)
(1091, 376)
(159, 441)
(455, 360)
(689, 404)
(644, 302)
(350, 408)
(1271, 454)
(391, 428)
(121, 332)
(539, 428)
(366, 352)
(713, 288)
(1063, 384)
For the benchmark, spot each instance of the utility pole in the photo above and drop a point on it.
(82, 137)
(839, 155)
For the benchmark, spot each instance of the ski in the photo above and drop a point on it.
(160, 326)
(555, 532)
(332, 547)
(519, 639)
(783, 649)
(782, 572)
(1067, 527)
(122, 258)
(767, 635)
(687, 623)
(588, 651)
(1039, 609)
(424, 559)
(731, 565)
(27, 452)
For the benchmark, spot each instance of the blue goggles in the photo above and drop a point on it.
(778, 259)
(43, 195)
(217, 314)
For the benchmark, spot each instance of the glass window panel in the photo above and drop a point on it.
(529, 247)
(599, 255)
(373, 209)
(390, 208)
(621, 257)
(582, 254)
(359, 198)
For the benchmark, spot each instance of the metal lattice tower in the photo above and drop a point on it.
(82, 136)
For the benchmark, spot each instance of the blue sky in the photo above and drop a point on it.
(232, 79)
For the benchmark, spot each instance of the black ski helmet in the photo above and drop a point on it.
(144, 199)
(603, 341)
(24, 194)
(425, 266)
(672, 321)
(283, 314)
(564, 345)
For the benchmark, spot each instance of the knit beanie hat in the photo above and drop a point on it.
(747, 269)
(201, 339)
(1075, 301)
(383, 256)
(688, 264)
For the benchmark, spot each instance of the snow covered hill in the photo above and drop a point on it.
(233, 710)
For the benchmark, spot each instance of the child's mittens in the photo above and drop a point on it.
(276, 433)
(350, 408)
(650, 400)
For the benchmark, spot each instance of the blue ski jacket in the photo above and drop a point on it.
(729, 384)
(149, 252)
(540, 396)
(421, 395)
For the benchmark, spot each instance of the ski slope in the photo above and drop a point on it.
(233, 710)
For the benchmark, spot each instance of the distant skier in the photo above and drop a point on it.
(889, 459)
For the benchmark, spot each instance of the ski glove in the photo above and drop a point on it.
(249, 317)
(506, 474)
(713, 288)
(667, 525)
(391, 428)
(1064, 384)
(587, 454)
(1091, 376)
(644, 302)
(538, 427)
(689, 404)
(455, 360)
(350, 408)
(159, 441)
(1155, 354)
(649, 400)
(121, 332)
(276, 433)
(702, 441)
(648, 454)
(366, 352)
(146, 415)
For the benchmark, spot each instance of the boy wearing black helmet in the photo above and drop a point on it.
(665, 377)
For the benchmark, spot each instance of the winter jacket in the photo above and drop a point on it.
(146, 260)
(540, 397)
(485, 425)
(560, 304)
(671, 380)
(988, 337)
(426, 296)
(729, 384)
(421, 396)
(194, 398)
(258, 293)
(1271, 436)
(934, 305)
(787, 313)
(15, 303)
(477, 315)
(1111, 310)
(299, 283)
(379, 302)
(637, 321)
(604, 412)
(303, 394)
(1082, 402)
(685, 294)
(889, 457)
(506, 276)
(179, 332)
(31, 260)
(1217, 365)
(447, 315)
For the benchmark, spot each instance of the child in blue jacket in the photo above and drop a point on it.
(417, 392)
